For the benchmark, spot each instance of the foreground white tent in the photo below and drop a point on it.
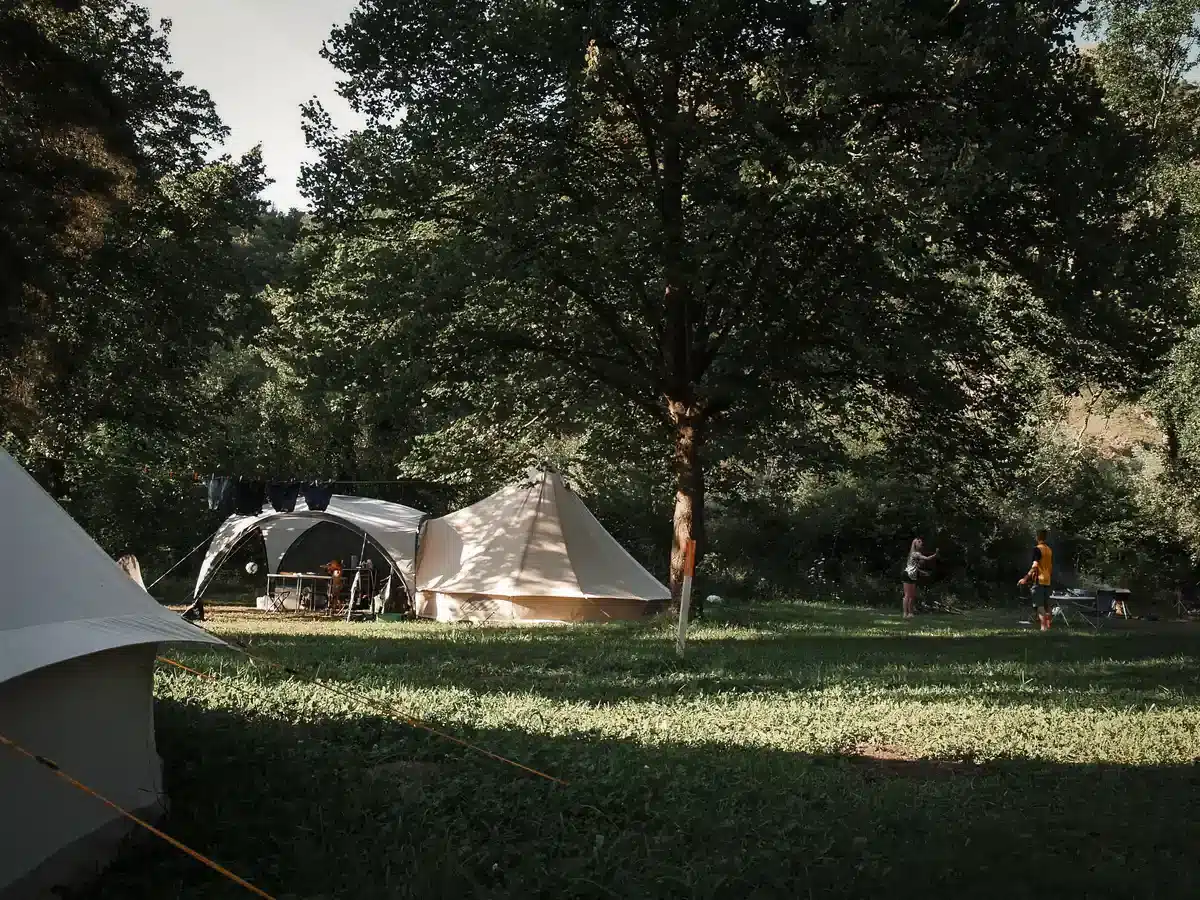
(530, 552)
(389, 528)
(77, 646)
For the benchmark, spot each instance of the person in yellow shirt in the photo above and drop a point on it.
(1040, 573)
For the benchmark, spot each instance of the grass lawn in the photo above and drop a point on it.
(799, 751)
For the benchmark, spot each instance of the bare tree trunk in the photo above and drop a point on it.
(688, 421)
(687, 412)
(1171, 442)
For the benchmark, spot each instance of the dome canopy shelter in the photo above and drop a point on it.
(389, 528)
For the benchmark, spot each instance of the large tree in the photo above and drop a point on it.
(754, 218)
(67, 156)
(102, 146)
(130, 254)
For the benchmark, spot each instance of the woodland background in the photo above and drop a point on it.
(798, 280)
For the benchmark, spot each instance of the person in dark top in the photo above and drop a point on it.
(1041, 571)
(914, 571)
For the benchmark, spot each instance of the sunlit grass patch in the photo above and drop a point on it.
(842, 751)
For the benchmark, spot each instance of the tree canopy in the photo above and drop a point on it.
(125, 242)
(801, 278)
(754, 220)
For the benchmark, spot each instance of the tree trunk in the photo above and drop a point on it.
(1171, 442)
(687, 412)
(688, 420)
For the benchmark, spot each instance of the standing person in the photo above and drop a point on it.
(334, 568)
(914, 569)
(129, 565)
(1040, 572)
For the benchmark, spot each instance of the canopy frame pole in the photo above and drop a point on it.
(358, 579)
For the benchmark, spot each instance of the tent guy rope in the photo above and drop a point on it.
(179, 845)
(185, 558)
(389, 708)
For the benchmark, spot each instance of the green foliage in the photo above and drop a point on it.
(773, 232)
(809, 273)
(98, 401)
(1147, 63)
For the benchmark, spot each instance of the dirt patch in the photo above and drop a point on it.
(891, 761)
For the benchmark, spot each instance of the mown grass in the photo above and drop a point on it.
(798, 751)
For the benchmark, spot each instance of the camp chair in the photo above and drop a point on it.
(1106, 605)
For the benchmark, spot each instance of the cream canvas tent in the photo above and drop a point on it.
(530, 552)
(77, 647)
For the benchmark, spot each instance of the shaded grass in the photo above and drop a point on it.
(1017, 764)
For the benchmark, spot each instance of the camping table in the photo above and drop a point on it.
(1059, 602)
(298, 578)
(1095, 606)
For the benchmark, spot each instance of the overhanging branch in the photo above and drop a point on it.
(611, 372)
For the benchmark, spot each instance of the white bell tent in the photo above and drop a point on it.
(530, 552)
(388, 528)
(77, 644)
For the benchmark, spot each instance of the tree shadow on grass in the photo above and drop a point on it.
(366, 808)
(621, 661)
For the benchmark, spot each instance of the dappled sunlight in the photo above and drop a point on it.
(858, 738)
(289, 798)
(813, 682)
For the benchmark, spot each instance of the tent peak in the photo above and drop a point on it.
(540, 472)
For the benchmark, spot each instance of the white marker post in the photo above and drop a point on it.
(685, 595)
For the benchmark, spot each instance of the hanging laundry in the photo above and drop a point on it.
(221, 494)
(317, 496)
(283, 496)
(251, 495)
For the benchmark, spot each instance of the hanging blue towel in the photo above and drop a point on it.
(317, 496)
(283, 496)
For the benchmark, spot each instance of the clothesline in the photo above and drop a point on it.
(198, 478)
(332, 481)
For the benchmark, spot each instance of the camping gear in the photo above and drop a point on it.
(531, 552)
(130, 566)
(1096, 607)
(77, 644)
(385, 532)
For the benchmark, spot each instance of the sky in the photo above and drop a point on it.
(260, 60)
